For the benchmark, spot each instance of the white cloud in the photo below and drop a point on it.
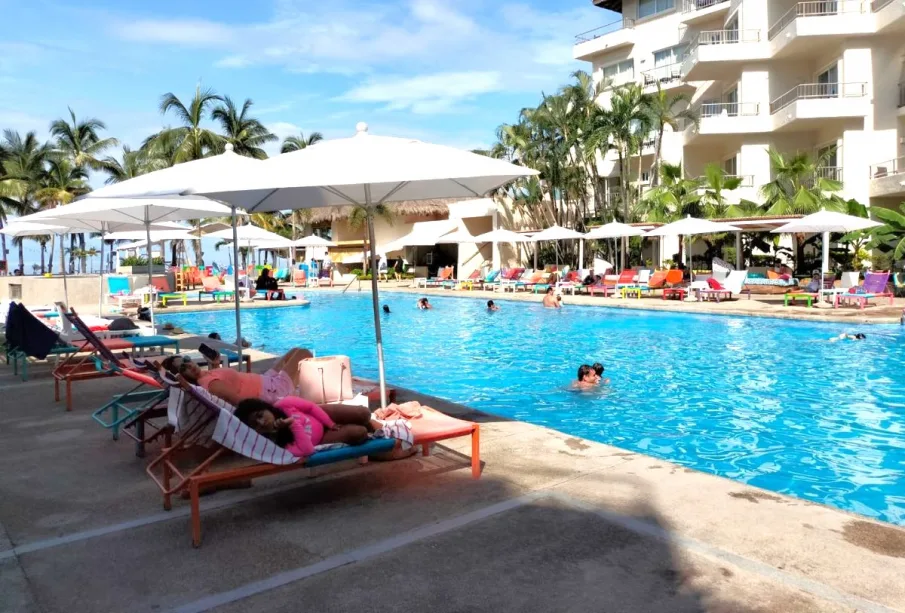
(425, 94)
(181, 32)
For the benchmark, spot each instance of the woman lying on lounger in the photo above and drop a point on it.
(298, 425)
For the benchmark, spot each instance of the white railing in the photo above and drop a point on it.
(810, 91)
(816, 8)
(663, 74)
(622, 24)
(698, 5)
(833, 173)
(887, 169)
(728, 109)
(726, 37)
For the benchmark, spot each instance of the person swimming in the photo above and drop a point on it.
(386, 309)
(587, 377)
(424, 305)
(491, 306)
(598, 369)
(845, 336)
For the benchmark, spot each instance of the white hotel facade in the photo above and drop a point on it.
(795, 76)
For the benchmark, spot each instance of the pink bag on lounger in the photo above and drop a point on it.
(327, 379)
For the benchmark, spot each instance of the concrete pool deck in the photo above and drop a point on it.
(556, 523)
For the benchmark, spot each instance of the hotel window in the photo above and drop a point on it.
(619, 72)
(730, 166)
(666, 57)
(647, 8)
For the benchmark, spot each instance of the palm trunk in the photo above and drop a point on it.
(83, 258)
(196, 247)
(625, 208)
(72, 248)
(173, 255)
(22, 257)
(53, 244)
(62, 255)
(43, 249)
(655, 167)
(3, 244)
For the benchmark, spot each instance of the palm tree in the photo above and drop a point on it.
(21, 168)
(79, 140)
(133, 164)
(674, 198)
(661, 107)
(297, 143)
(714, 182)
(246, 134)
(189, 141)
(797, 186)
(891, 236)
(60, 184)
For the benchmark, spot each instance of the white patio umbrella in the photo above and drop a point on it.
(558, 233)
(500, 236)
(252, 237)
(614, 229)
(825, 222)
(366, 171)
(116, 214)
(459, 236)
(313, 241)
(25, 228)
(690, 226)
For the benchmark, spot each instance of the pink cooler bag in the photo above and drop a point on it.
(327, 379)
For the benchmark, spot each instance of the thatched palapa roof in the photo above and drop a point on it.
(406, 207)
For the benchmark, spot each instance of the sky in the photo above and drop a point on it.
(444, 72)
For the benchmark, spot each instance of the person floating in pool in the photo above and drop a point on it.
(587, 378)
(551, 301)
(424, 305)
(598, 370)
(491, 306)
(386, 309)
(845, 336)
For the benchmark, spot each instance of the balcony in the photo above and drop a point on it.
(810, 105)
(722, 118)
(694, 11)
(888, 179)
(668, 77)
(889, 15)
(713, 55)
(797, 31)
(620, 33)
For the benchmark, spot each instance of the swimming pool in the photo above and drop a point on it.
(763, 401)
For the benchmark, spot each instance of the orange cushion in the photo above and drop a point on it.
(434, 425)
(772, 274)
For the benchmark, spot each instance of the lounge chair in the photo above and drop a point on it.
(443, 275)
(120, 294)
(164, 293)
(570, 282)
(829, 282)
(731, 286)
(325, 277)
(199, 418)
(527, 281)
(299, 278)
(213, 288)
(489, 279)
(874, 286)
(96, 358)
(627, 278)
(656, 281)
(637, 286)
(28, 337)
(521, 275)
(466, 283)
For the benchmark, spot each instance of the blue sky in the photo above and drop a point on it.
(446, 72)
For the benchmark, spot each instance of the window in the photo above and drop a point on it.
(647, 8)
(666, 57)
(730, 166)
(731, 102)
(828, 83)
(619, 72)
(832, 155)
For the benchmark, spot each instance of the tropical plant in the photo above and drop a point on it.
(246, 134)
(714, 184)
(797, 187)
(59, 185)
(79, 140)
(190, 140)
(22, 161)
(667, 110)
(131, 165)
(297, 143)
(890, 237)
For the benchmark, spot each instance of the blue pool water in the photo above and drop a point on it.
(763, 401)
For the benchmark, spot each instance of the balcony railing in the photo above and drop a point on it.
(622, 24)
(725, 37)
(698, 5)
(747, 180)
(887, 169)
(876, 5)
(833, 173)
(728, 109)
(663, 74)
(811, 91)
(901, 95)
(816, 8)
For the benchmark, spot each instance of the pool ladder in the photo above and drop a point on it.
(349, 284)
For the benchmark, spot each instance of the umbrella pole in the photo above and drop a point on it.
(825, 264)
(150, 267)
(375, 303)
(236, 286)
(100, 292)
(65, 284)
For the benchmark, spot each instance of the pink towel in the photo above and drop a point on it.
(406, 410)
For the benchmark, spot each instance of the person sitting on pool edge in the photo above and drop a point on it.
(298, 425)
(424, 305)
(598, 370)
(275, 384)
(587, 377)
(267, 284)
(551, 301)
(491, 306)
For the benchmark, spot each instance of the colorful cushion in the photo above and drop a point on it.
(772, 274)
(714, 284)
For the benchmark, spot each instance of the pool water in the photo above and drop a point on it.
(763, 401)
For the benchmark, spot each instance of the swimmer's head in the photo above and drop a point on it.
(549, 291)
(860, 336)
(586, 374)
(490, 304)
(598, 368)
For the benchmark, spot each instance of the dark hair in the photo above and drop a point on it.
(248, 407)
(550, 290)
(422, 301)
(583, 371)
(489, 303)
(170, 367)
(386, 308)
(215, 336)
(598, 368)
(860, 336)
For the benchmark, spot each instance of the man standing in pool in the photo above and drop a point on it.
(551, 301)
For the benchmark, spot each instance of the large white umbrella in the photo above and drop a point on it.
(366, 171)
(253, 237)
(25, 228)
(558, 233)
(499, 236)
(614, 229)
(690, 226)
(313, 241)
(115, 214)
(459, 236)
(825, 222)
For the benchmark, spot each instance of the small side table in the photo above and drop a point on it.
(631, 290)
(674, 293)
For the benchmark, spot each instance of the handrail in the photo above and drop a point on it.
(699, 5)
(815, 8)
(728, 109)
(616, 26)
(830, 172)
(663, 74)
(349, 284)
(818, 90)
(888, 168)
(725, 37)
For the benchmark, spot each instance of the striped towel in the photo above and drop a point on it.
(398, 429)
(184, 411)
(234, 435)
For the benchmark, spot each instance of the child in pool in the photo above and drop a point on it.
(297, 425)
